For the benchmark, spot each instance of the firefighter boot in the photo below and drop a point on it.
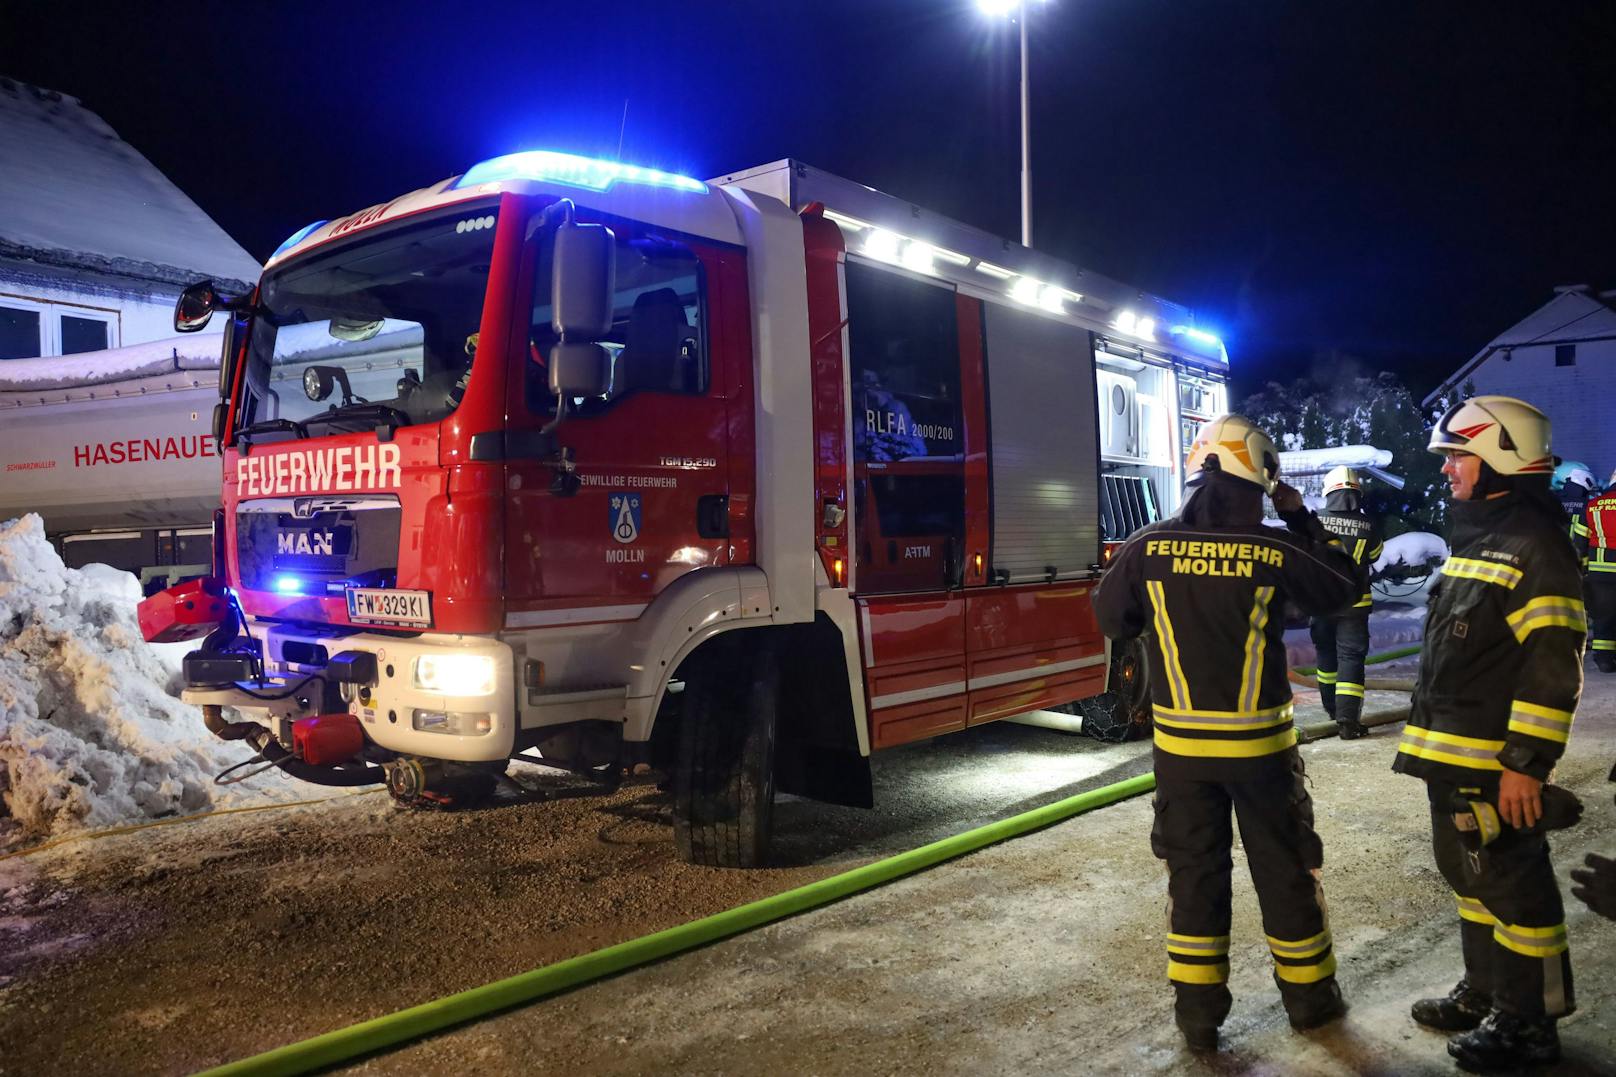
(1197, 1038)
(1351, 728)
(1605, 661)
(1349, 710)
(1459, 1010)
(1504, 1041)
(1318, 1008)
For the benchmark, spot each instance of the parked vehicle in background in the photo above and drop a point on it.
(746, 478)
(115, 451)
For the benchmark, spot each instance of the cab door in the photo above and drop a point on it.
(908, 500)
(653, 497)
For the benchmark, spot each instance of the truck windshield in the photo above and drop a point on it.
(383, 330)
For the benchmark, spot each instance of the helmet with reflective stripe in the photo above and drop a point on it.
(1510, 436)
(1233, 445)
(1570, 471)
(1341, 478)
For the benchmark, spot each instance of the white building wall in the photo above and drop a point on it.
(137, 314)
(1579, 400)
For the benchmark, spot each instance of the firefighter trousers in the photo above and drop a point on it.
(1600, 590)
(1192, 834)
(1511, 920)
(1342, 643)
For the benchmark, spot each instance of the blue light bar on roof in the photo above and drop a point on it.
(295, 238)
(574, 171)
(1206, 340)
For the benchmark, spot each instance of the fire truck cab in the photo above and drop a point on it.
(745, 478)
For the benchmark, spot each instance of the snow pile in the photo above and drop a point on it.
(88, 735)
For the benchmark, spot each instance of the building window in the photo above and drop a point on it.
(32, 328)
(19, 332)
(83, 334)
(1565, 355)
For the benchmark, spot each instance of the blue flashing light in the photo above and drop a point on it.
(572, 170)
(1210, 341)
(288, 585)
(296, 237)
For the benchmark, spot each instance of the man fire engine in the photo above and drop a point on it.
(1492, 711)
(1342, 640)
(572, 460)
(1595, 536)
(1209, 585)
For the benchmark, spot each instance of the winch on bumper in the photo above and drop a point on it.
(434, 696)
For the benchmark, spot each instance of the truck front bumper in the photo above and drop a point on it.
(434, 696)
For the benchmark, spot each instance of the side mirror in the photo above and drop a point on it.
(195, 307)
(220, 411)
(579, 370)
(583, 278)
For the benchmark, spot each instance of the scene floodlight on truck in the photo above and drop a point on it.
(599, 465)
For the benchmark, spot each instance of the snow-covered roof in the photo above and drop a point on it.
(75, 194)
(1572, 316)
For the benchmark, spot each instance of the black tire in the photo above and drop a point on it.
(723, 778)
(1122, 711)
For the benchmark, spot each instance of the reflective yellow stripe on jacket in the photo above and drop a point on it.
(1473, 568)
(1546, 611)
(1472, 753)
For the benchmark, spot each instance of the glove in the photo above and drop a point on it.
(1596, 885)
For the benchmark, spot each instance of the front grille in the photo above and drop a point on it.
(312, 545)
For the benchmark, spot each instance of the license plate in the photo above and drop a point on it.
(375, 606)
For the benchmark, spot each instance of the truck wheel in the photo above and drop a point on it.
(723, 779)
(1122, 711)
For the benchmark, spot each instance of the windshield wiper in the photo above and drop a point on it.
(267, 425)
(365, 410)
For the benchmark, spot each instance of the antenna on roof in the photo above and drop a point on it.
(621, 128)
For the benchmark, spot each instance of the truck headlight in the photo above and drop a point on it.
(455, 674)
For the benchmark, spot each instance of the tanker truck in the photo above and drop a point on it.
(115, 450)
(570, 460)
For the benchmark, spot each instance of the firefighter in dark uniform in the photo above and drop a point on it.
(1342, 641)
(1210, 586)
(1595, 537)
(1498, 685)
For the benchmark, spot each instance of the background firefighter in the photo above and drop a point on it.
(1498, 686)
(1209, 585)
(1595, 537)
(1342, 640)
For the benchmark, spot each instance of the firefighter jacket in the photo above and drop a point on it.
(1359, 537)
(1213, 600)
(1502, 665)
(1594, 534)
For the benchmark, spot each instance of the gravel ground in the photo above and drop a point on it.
(195, 944)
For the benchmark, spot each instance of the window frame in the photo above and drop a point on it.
(51, 312)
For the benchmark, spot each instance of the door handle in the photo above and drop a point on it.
(712, 516)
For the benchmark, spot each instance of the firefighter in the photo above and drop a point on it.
(1491, 713)
(1595, 536)
(1573, 483)
(1210, 586)
(1342, 641)
(1596, 880)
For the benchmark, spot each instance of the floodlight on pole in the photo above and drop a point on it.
(1018, 9)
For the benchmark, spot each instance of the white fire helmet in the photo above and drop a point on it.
(1242, 451)
(1342, 478)
(1510, 435)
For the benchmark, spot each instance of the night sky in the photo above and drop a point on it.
(1383, 183)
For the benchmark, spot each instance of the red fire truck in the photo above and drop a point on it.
(746, 479)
